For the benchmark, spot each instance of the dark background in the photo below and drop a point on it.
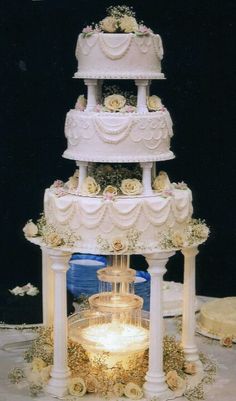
(37, 90)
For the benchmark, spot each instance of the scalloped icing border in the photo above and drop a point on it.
(128, 75)
(118, 159)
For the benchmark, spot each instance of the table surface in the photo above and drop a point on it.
(223, 389)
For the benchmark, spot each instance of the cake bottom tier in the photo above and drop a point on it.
(131, 225)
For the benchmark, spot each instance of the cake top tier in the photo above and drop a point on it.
(119, 47)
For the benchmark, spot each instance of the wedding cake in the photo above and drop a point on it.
(115, 203)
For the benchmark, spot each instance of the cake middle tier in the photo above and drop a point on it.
(116, 137)
(126, 225)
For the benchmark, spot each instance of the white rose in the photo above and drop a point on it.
(110, 192)
(81, 103)
(174, 381)
(73, 182)
(18, 291)
(108, 24)
(154, 103)
(161, 182)
(91, 384)
(90, 187)
(37, 364)
(45, 374)
(30, 229)
(133, 391)
(118, 389)
(53, 239)
(131, 186)
(119, 245)
(190, 368)
(128, 24)
(77, 387)
(32, 291)
(114, 102)
(177, 239)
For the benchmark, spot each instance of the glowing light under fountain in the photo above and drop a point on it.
(113, 324)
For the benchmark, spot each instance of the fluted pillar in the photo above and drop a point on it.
(155, 384)
(147, 177)
(91, 93)
(142, 85)
(189, 321)
(47, 288)
(58, 383)
(83, 172)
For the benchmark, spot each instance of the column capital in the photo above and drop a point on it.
(81, 164)
(157, 262)
(91, 82)
(141, 82)
(146, 165)
(60, 260)
(190, 252)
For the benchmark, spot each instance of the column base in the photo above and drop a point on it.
(155, 385)
(58, 386)
(191, 354)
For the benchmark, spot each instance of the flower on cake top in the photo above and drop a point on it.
(114, 102)
(154, 103)
(90, 187)
(81, 103)
(109, 24)
(73, 181)
(120, 19)
(128, 24)
(110, 192)
(131, 187)
(161, 182)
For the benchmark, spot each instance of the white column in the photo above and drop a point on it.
(148, 87)
(99, 91)
(58, 383)
(91, 93)
(83, 173)
(188, 325)
(147, 178)
(142, 85)
(155, 384)
(47, 288)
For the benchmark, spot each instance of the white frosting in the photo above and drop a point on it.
(219, 316)
(114, 55)
(118, 137)
(89, 217)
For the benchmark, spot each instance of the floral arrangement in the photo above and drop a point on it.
(113, 178)
(27, 289)
(194, 234)
(116, 100)
(96, 377)
(49, 234)
(120, 19)
(161, 182)
(119, 245)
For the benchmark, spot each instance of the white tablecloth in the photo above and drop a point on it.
(224, 388)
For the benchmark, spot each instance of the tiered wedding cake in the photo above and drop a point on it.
(116, 204)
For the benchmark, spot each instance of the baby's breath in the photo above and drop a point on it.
(119, 11)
